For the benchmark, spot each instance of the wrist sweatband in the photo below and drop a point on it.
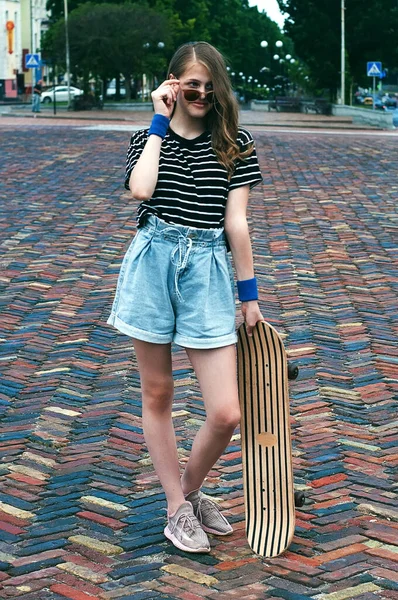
(159, 126)
(247, 290)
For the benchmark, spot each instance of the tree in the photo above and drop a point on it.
(372, 33)
(238, 31)
(234, 27)
(108, 39)
(315, 28)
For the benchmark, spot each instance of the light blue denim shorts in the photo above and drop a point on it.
(176, 285)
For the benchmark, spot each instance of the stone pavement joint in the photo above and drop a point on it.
(81, 510)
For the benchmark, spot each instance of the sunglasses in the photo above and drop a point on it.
(194, 95)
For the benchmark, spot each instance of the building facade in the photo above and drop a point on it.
(21, 26)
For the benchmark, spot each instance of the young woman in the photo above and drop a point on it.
(192, 172)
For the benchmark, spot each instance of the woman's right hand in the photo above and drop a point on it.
(164, 97)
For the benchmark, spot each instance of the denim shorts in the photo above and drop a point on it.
(176, 285)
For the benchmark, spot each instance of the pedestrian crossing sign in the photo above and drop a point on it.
(374, 69)
(32, 61)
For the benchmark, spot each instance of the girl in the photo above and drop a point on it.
(192, 172)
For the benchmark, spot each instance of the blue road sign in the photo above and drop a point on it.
(374, 69)
(32, 61)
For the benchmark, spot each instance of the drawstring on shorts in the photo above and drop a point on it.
(183, 248)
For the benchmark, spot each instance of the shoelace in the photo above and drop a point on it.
(188, 520)
(209, 505)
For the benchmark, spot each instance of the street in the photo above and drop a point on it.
(81, 510)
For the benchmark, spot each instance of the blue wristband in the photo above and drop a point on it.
(159, 126)
(247, 290)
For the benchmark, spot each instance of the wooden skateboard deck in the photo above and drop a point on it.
(266, 443)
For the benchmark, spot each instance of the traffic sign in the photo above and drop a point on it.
(32, 61)
(374, 69)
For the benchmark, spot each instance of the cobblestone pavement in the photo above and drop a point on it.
(81, 511)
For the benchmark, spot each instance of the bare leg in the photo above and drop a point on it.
(216, 372)
(154, 364)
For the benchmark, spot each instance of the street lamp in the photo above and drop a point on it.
(277, 57)
(67, 48)
(32, 49)
(144, 81)
(342, 99)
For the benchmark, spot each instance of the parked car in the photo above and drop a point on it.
(379, 104)
(390, 101)
(61, 94)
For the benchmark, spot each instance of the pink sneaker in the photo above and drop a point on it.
(208, 514)
(184, 530)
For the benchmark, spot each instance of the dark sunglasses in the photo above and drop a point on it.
(194, 95)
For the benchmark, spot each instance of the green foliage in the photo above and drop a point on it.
(315, 28)
(372, 34)
(238, 31)
(108, 38)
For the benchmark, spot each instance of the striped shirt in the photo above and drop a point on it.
(192, 186)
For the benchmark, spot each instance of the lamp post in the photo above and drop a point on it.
(67, 49)
(281, 60)
(32, 49)
(342, 99)
(144, 80)
(278, 44)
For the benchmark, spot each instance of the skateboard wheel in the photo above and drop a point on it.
(292, 370)
(299, 499)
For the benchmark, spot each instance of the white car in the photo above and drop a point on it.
(61, 94)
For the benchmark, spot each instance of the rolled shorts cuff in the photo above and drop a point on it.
(205, 343)
(139, 334)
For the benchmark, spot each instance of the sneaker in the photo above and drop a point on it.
(184, 530)
(208, 514)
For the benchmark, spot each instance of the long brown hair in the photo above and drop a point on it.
(222, 119)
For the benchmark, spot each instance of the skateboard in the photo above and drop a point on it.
(270, 500)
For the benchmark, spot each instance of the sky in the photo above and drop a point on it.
(271, 8)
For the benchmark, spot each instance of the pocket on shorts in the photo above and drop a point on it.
(134, 254)
(224, 263)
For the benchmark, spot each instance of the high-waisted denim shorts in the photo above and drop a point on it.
(176, 284)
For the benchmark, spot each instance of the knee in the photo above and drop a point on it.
(225, 419)
(157, 395)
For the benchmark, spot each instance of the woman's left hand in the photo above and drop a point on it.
(251, 313)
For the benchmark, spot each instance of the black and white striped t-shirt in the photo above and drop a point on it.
(192, 186)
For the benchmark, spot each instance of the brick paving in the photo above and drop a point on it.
(81, 511)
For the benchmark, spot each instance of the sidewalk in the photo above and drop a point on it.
(81, 510)
(247, 117)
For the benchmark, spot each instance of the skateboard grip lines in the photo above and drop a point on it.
(266, 444)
